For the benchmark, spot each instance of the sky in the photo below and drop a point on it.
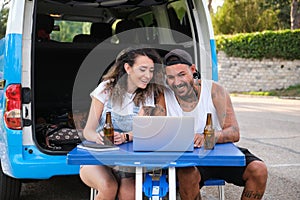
(1, 3)
(216, 3)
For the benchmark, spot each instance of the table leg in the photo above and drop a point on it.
(139, 183)
(172, 183)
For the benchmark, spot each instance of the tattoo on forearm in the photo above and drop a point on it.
(252, 194)
(235, 129)
(222, 119)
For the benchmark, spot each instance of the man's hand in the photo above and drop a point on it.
(198, 140)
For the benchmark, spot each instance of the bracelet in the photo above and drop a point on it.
(126, 137)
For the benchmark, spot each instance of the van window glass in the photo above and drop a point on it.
(4, 9)
(149, 21)
(64, 31)
(177, 12)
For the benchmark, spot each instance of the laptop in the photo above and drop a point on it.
(163, 133)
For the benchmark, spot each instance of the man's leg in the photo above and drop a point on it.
(255, 177)
(189, 179)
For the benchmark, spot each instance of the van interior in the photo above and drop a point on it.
(76, 41)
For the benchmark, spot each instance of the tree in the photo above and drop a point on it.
(3, 21)
(283, 9)
(295, 15)
(243, 16)
(69, 29)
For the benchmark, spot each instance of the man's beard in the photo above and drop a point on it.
(190, 94)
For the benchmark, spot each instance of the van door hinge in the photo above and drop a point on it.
(26, 95)
(27, 122)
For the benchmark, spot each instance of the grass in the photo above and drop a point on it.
(292, 91)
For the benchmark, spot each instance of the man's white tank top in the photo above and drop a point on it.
(204, 106)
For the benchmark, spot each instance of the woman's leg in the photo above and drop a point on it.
(127, 189)
(102, 179)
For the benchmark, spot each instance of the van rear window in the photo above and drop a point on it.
(64, 31)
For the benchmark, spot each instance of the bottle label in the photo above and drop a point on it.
(108, 136)
(209, 140)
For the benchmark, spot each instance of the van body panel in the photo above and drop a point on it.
(2, 50)
(13, 58)
(10, 139)
(28, 162)
(37, 165)
(206, 13)
(205, 19)
(214, 59)
(203, 54)
(15, 22)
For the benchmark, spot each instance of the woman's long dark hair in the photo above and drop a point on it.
(117, 73)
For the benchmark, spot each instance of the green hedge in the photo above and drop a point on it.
(268, 44)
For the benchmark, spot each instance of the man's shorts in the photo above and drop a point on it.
(229, 174)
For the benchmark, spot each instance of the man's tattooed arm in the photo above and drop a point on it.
(222, 102)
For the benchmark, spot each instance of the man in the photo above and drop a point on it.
(187, 96)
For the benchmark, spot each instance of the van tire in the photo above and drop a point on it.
(10, 188)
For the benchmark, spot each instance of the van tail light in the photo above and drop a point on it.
(12, 113)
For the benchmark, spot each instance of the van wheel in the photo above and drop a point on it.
(10, 188)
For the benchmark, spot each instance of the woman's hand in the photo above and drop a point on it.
(99, 138)
(119, 138)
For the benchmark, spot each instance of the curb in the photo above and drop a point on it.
(260, 96)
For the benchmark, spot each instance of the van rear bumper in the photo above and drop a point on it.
(33, 164)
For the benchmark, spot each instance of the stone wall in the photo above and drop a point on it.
(244, 75)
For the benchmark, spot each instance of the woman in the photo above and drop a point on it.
(133, 82)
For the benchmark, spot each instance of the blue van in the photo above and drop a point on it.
(52, 55)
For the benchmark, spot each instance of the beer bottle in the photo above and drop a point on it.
(108, 130)
(209, 133)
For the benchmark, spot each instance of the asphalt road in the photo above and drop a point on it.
(270, 128)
